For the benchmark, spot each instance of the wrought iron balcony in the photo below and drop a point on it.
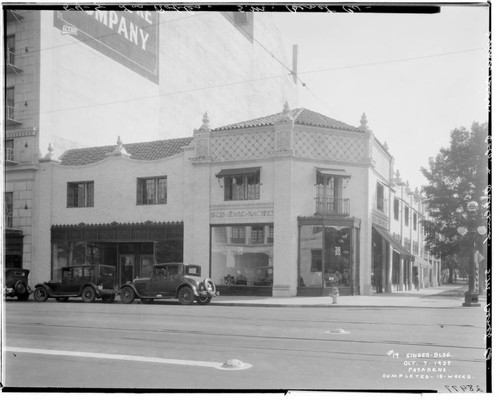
(8, 220)
(329, 205)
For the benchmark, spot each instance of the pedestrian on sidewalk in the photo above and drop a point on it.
(417, 284)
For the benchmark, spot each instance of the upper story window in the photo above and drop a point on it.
(329, 192)
(241, 184)
(396, 209)
(80, 194)
(152, 190)
(8, 208)
(10, 43)
(9, 102)
(380, 196)
(414, 221)
(9, 150)
(407, 216)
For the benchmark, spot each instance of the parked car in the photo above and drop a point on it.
(16, 283)
(171, 280)
(89, 282)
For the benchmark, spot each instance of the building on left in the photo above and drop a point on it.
(80, 77)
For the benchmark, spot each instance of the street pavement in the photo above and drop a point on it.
(445, 296)
(378, 342)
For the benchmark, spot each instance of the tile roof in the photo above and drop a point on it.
(301, 116)
(155, 150)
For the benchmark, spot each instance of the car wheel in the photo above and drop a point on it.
(62, 299)
(23, 297)
(108, 299)
(88, 295)
(127, 295)
(203, 301)
(186, 296)
(20, 288)
(40, 294)
(147, 301)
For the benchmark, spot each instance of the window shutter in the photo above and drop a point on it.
(70, 197)
(90, 194)
(139, 191)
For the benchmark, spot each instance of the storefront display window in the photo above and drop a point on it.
(242, 255)
(325, 256)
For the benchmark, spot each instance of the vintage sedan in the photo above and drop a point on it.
(89, 282)
(16, 283)
(171, 280)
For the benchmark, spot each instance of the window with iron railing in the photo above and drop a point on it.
(329, 200)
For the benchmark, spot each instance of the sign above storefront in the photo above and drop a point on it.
(241, 214)
(128, 37)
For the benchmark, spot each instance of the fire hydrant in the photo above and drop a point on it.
(335, 295)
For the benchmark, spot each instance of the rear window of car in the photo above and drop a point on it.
(89, 271)
(107, 271)
(192, 270)
(18, 273)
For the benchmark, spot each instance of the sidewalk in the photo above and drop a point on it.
(445, 296)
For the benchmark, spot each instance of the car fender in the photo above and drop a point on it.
(188, 284)
(132, 287)
(46, 287)
(91, 284)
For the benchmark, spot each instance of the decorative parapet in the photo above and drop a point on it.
(283, 133)
(119, 150)
(201, 139)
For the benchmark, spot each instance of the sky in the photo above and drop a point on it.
(417, 77)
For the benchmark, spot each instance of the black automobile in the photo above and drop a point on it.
(89, 282)
(16, 283)
(171, 280)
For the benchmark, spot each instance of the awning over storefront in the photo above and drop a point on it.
(237, 171)
(396, 246)
(333, 172)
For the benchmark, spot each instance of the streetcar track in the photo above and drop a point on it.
(345, 339)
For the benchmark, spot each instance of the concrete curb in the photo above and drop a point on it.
(329, 305)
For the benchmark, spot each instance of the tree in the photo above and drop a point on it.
(457, 175)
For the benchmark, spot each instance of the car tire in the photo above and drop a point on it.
(127, 295)
(20, 288)
(186, 296)
(88, 294)
(62, 299)
(108, 299)
(203, 301)
(210, 286)
(41, 294)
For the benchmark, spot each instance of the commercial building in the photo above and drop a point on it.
(288, 204)
(78, 78)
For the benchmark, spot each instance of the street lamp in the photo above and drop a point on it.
(471, 296)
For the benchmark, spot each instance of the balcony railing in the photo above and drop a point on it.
(10, 112)
(329, 205)
(8, 220)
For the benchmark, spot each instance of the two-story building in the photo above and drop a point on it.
(288, 204)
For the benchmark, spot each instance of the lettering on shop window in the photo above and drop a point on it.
(242, 213)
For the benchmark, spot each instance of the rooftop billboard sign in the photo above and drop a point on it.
(128, 37)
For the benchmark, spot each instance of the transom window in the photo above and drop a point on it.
(80, 194)
(257, 234)
(152, 190)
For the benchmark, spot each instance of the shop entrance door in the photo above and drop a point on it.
(126, 268)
